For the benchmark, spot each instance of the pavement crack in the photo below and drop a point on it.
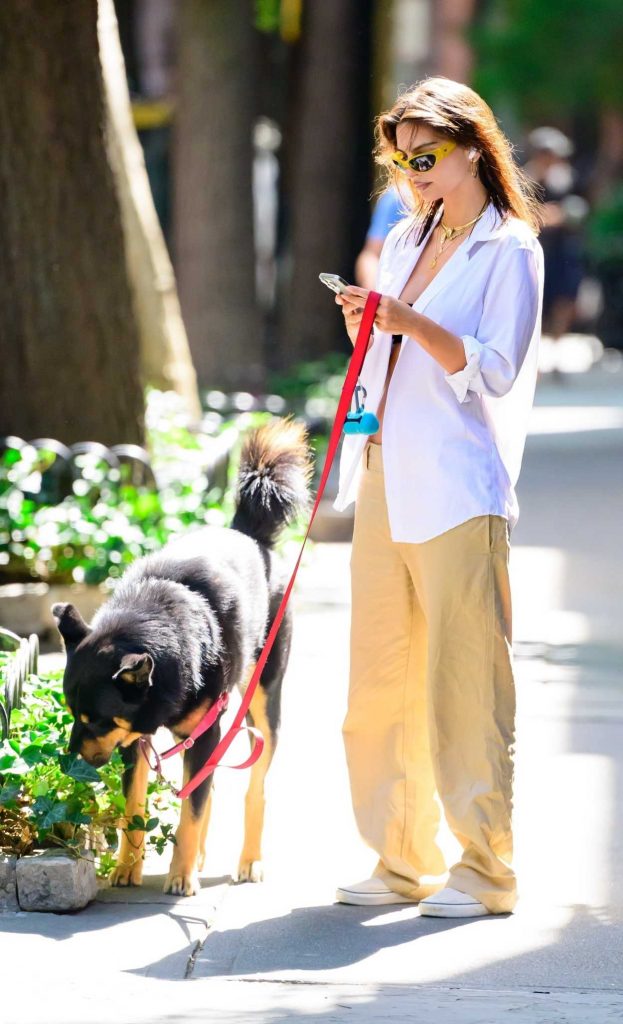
(192, 959)
(209, 927)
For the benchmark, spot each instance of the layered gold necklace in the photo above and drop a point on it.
(449, 234)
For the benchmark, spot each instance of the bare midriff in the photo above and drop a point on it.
(421, 276)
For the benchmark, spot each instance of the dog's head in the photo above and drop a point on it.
(105, 687)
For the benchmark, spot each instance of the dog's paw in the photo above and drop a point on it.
(181, 884)
(127, 874)
(250, 871)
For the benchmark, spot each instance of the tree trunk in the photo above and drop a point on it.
(328, 167)
(214, 250)
(607, 168)
(69, 346)
(165, 356)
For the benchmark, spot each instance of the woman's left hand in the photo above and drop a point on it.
(392, 315)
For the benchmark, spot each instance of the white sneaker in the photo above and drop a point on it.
(371, 893)
(452, 903)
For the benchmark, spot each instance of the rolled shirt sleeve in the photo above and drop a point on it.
(510, 310)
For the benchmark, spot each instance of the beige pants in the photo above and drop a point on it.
(432, 700)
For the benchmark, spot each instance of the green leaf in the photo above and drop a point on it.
(13, 766)
(77, 768)
(36, 753)
(151, 824)
(8, 794)
(77, 817)
(49, 812)
(112, 838)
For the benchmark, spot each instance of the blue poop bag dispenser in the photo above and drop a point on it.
(360, 421)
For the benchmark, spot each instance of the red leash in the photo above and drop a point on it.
(354, 369)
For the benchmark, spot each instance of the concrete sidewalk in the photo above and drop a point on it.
(283, 950)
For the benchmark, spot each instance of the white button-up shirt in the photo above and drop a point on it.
(453, 443)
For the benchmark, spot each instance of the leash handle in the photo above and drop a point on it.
(354, 369)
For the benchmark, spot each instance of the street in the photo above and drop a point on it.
(283, 950)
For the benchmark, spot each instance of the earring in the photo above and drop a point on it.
(473, 159)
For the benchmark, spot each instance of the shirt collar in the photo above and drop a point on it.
(491, 225)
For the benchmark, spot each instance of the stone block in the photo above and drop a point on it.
(88, 598)
(55, 881)
(8, 883)
(26, 607)
(22, 607)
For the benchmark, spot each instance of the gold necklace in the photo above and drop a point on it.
(449, 234)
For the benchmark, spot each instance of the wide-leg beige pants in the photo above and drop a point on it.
(432, 700)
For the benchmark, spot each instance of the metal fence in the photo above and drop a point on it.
(19, 658)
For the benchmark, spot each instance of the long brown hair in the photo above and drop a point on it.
(457, 112)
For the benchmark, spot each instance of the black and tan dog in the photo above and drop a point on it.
(183, 626)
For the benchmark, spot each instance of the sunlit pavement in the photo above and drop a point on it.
(283, 951)
(567, 932)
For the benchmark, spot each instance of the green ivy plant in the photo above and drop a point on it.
(94, 533)
(51, 798)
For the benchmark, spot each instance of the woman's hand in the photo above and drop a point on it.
(392, 315)
(396, 317)
(352, 311)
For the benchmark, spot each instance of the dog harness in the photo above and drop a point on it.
(215, 711)
(205, 723)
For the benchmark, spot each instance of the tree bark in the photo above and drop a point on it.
(69, 345)
(166, 362)
(328, 168)
(607, 169)
(213, 242)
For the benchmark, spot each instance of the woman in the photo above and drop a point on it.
(450, 372)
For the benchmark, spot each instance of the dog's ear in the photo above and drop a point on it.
(136, 670)
(71, 625)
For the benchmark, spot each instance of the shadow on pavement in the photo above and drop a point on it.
(114, 906)
(316, 939)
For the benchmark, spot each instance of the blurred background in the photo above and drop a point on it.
(175, 174)
(283, 101)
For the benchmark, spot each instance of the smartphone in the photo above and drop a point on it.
(334, 282)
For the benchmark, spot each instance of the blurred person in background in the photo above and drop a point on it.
(388, 210)
(549, 166)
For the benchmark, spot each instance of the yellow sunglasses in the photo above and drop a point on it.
(423, 161)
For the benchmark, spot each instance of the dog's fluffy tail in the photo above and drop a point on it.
(273, 480)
